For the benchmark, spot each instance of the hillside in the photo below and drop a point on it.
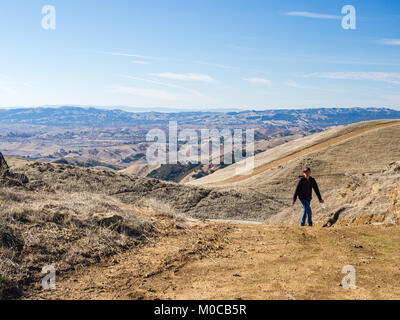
(343, 157)
(67, 216)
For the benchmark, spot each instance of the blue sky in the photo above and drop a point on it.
(205, 54)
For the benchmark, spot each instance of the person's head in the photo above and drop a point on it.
(307, 173)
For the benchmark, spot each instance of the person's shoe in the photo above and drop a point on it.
(302, 225)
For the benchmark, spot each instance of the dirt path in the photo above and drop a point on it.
(305, 151)
(208, 260)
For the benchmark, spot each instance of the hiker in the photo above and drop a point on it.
(304, 192)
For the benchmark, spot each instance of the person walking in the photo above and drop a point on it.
(304, 192)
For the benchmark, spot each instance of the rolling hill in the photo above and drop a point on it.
(116, 139)
(72, 117)
(349, 157)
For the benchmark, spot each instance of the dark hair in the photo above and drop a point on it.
(306, 170)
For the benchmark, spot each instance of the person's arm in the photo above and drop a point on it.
(316, 189)
(296, 192)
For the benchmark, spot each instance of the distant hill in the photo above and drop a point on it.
(78, 116)
(116, 139)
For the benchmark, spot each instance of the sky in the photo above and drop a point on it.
(199, 55)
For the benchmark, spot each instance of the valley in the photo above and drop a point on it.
(116, 139)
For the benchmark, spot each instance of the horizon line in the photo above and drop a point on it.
(187, 110)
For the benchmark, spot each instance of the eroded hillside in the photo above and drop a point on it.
(355, 167)
(67, 216)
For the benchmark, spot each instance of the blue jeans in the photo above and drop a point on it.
(307, 213)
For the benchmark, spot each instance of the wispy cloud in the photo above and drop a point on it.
(119, 54)
(234, 46)
(345, 61)
(148, 93)
(389, 77)
(7, 90)
(184, 76)
(217, 65)
(6, 81)
(313, 15)
(27, 84)
(165, 84)
(296, 85)
(140, 62)
(258, 81)
(390, 42)
(142, 57)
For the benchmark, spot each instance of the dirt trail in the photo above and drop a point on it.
(208, 260)
(316, 147)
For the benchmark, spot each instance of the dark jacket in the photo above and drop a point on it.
(304, 189)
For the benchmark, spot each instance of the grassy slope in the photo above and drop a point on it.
(293, 150)
(353, 174)
(67, 216)
(41, 223)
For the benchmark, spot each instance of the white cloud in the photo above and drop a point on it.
(216, 65)
(7, 90)
(148, 93)
(297, 85)
(185, 76)
(258, 80)
(181, 94)
(191, 91)
(313, 15)
(127, 55)
(390, 77)
(314, 59)
(27, 85)
(139, 62)
(234, 46)
(390, 42)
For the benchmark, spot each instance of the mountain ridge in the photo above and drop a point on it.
(90, 116)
